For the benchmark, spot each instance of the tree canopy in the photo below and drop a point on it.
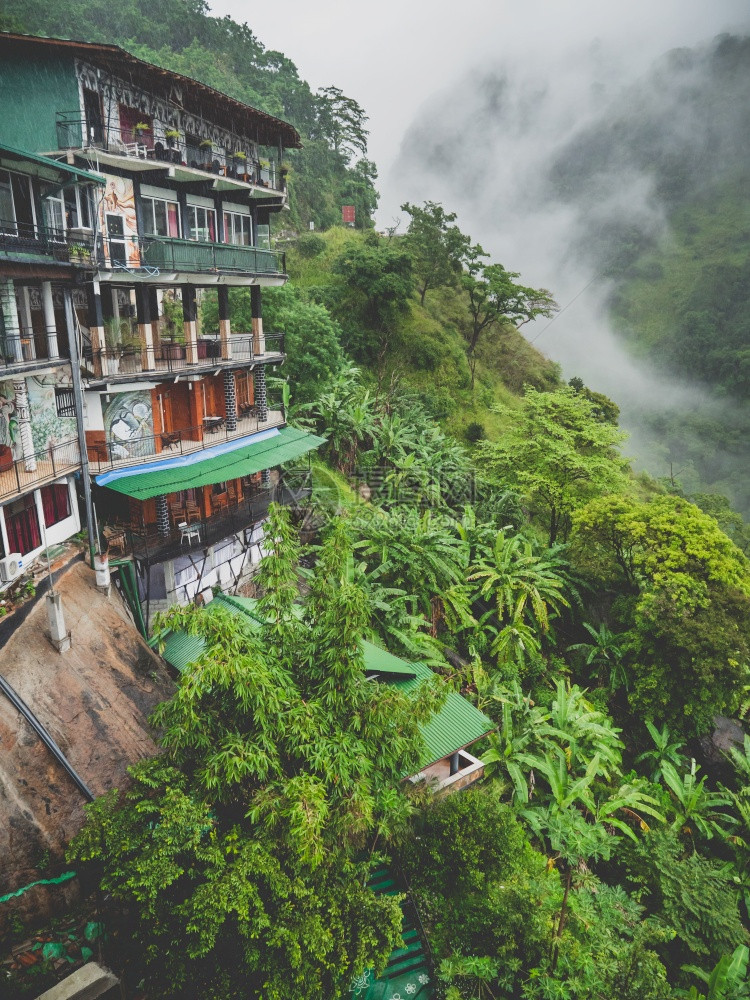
(281, 767)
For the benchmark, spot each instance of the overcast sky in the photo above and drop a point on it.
(393, 55)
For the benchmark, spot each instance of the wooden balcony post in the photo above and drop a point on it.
(145, 330)
(225, 329)
(259, 343)
(189, 316)
(48, 306)
(96, 324)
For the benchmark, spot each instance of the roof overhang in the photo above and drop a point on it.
(232, 460)
(196, 97)
(44, 167)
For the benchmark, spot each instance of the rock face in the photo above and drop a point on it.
(94, 700)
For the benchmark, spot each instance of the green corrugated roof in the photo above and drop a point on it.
(207, 469)
(10, 152)
(456, 725)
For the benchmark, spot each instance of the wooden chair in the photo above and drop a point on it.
(232, 494)
(192, 511)
(219, 502)
(176, 513)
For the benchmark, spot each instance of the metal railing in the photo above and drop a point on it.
(172, 356)
(146, 544)
(67, 246)
(115, 452)
(54, 461)
(152, 144)
(171, 254)
(26, 348)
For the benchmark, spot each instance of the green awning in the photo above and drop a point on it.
(11, 155)
(204, 468)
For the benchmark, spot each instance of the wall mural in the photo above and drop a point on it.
(117, 221)
(47, 429)
(129, 425)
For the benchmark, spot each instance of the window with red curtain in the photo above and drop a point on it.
(129, 118)
(22, 525)
(55, 503)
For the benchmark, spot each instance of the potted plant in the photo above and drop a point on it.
(206, 144)
(171, 136)
(141, 128)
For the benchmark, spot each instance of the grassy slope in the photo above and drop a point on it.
(428, 353)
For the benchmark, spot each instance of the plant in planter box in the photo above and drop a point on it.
(206, 144)
(171, 135)
(141, 128)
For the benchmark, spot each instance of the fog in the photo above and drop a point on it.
(490, 106)
(546, 161)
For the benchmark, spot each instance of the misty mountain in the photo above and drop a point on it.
(628, 198)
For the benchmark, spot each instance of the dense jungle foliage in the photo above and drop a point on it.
(472, 512)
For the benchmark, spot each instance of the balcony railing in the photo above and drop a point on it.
(114, 453)
(171, 356)
(74, 132)
(21, 240)
(171, 254)
(146, 544)
(57, 460)
(27, 348)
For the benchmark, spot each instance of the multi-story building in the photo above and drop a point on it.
(182, 440)
(40, 433)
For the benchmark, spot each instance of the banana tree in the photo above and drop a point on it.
(728, 980)
(694, 805)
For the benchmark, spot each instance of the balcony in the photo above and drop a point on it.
(150, 150)
(57, 460)
(171, 356)
(23, 242)
(170, 254)
(150, 256)
(145, 543)
(452, 773)
(116, 453)
(30, 350)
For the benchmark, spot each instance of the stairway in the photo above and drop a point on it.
(407, 975)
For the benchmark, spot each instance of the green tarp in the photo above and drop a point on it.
(205, 469)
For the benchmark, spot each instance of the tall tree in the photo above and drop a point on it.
(341, 121)
(495, 298)
(437, 247)
(557, 454)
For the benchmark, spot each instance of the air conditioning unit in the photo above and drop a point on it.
(11, 567)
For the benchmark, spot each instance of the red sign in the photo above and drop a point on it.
(347, 214)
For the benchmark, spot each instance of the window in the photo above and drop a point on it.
(7, 209)
(237, 229)
(22, 525)
(219, 488)
(54, 212)
(161, 217)
(65, 403)
(55, 503)
(17, 215)
(263, 237)
(202, 223)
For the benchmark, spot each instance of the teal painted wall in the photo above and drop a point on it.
(31, 91)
